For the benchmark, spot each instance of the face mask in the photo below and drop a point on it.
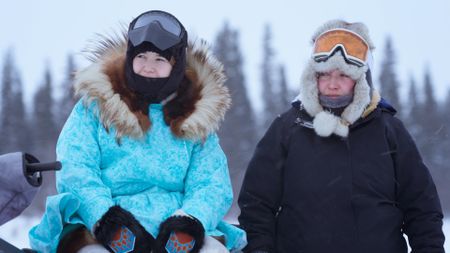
(147, 88)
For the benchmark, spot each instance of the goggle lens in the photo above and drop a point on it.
(354, 48)
(167, 22)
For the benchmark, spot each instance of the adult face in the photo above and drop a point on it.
(151, 64)
(335, 83)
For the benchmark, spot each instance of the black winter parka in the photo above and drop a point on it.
(306, 193)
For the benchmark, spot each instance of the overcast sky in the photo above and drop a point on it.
(44, 32)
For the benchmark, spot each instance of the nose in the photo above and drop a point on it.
(334, 83)
(149, 68)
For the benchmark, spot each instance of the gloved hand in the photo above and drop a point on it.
(180, 242)
(180, 233)
(119, 231)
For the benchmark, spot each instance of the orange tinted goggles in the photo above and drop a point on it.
(354, 48)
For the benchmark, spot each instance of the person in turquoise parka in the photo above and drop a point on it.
(142, 168)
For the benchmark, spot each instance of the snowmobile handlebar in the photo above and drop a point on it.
(39, 167)
(33, 168)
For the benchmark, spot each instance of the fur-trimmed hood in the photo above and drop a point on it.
(195, 112)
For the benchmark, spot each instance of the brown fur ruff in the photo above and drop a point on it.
(195, 112)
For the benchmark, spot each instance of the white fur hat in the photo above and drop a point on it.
(325, 123)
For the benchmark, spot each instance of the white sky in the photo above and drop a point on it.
(45, 31)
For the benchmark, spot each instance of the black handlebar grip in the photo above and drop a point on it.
(39, 167)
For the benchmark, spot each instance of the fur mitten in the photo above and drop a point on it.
(180, 226)
(119, 231)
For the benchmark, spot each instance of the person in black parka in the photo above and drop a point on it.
(338, 172)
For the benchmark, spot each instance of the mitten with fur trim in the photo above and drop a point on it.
(180, 229)
(119, 231)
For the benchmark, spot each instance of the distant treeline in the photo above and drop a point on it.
(36, 130)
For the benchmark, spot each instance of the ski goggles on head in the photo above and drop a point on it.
(160, 28)
(353, 47)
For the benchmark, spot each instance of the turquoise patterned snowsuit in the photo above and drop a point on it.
(152, 177)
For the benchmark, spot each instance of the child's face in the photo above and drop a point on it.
(151, 64)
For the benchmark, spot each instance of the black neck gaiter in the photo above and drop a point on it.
(155, 90)
(146, 88)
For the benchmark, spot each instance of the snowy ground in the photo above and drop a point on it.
(16, 231)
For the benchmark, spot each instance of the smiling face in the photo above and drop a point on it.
(335, 83)
(151, 64)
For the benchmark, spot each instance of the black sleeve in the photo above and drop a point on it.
(261, 190)
(416, 194)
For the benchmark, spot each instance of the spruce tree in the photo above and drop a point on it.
(67, 100)
(431, 126)
(443, 177)
(285, 94)
(271, 93)
(13, 122)
(412, 122)
(443, 112)
(389, 84)
(237, 132)
(44, 134)
(6, 108)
